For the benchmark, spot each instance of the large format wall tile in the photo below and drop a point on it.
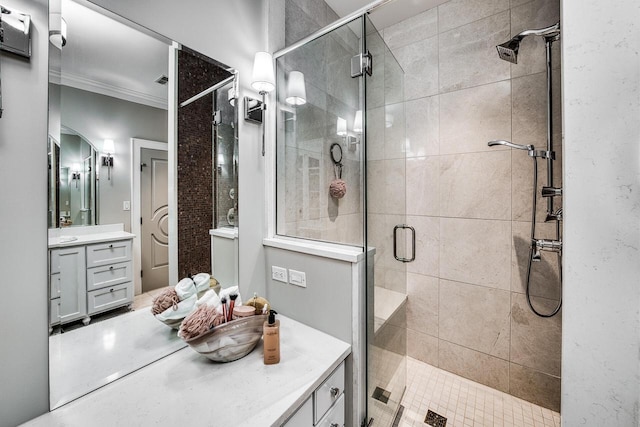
(420, 63)
(468, 55)
(535, 341)
(422, 347)
(475, 317)
(476, 366)
(395, 186)
(476, 185)
(545, 280)
(423, 178)
(414, 29)
(422, 303)
(472, 117)
(394, 132)
(455, 13)
(476, 251)
(534, 386)
(423, 126)
(427, 244)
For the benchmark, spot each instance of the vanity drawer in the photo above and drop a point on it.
(108, 253)
(329, 392)
(335, 416)
(303, 416)
(110, 297)
(109, 275)
(54, 286)
(54, 311)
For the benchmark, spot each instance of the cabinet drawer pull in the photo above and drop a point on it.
(335, 425)
(111, 246)
(111, 268)
(334, 391)
(111, 290)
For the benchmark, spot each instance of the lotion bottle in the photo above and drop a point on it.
(271, 330)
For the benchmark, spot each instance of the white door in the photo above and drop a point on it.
(154, 211)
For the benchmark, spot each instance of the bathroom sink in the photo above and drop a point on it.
(67, 239)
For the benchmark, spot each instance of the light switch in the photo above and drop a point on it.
(126, 205)
(298, 278)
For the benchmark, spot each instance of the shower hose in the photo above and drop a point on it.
(532, 248)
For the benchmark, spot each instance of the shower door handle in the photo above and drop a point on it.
(395, 242)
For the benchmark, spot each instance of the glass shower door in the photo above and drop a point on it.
(386, 233)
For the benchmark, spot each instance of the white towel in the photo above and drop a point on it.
(184, 308)
(202, 281)
(211, 299)
(186, 288)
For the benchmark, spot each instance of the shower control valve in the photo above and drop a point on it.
(543, 154)
(548, 245)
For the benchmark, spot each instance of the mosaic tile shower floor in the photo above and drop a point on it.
(465, 403)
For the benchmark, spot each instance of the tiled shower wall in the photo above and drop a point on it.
(471, 204)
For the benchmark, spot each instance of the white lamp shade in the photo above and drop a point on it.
(264, 79)
(75, 167)
(296, 92)
(341, 127)
(57, 30)
(108, 146)
(357, 122)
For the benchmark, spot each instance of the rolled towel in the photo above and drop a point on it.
(186, 288)
(202, 281)
(211, 299)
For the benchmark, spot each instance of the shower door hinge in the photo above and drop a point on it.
(216, 118)
(361, 63)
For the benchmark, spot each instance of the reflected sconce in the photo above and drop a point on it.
(296, 91)
(107, 160)
(341, 127)
(57, 30)
(357, 122)
(75, 173)
(264, 81)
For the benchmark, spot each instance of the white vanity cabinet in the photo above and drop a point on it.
(87, 279)
(67, 284)
(325, 408)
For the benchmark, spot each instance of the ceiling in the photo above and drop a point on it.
(389, 14)
(105, 56)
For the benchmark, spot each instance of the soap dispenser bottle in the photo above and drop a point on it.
(271, 339)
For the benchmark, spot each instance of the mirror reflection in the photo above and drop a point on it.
(110, 250)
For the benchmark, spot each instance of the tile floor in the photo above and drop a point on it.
(465, 403)
(145, 299)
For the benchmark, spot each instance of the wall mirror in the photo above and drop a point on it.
(115, 232)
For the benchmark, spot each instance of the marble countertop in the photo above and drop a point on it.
(188, 389)
(84, 239)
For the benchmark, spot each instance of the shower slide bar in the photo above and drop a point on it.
(336, 24)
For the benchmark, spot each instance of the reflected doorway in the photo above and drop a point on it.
(154, 219)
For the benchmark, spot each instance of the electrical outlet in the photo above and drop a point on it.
(298, 278)
(126, 205)
(279, 274)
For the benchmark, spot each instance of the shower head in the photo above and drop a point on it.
(508, 51)
(510, 144)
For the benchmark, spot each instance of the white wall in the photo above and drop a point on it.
(601, 320)
(98, 117)
(228, 31)
(23, 226)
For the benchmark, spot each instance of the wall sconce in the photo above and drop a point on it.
(107, 160)
(75, 173)
(264, 81)
(357, 122)
(352, 141)
(296, 91)
(341, 127)
(57, 30)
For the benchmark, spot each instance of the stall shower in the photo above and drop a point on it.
(413, 118)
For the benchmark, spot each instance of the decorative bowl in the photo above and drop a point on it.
(173, 323)
(230, 341)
